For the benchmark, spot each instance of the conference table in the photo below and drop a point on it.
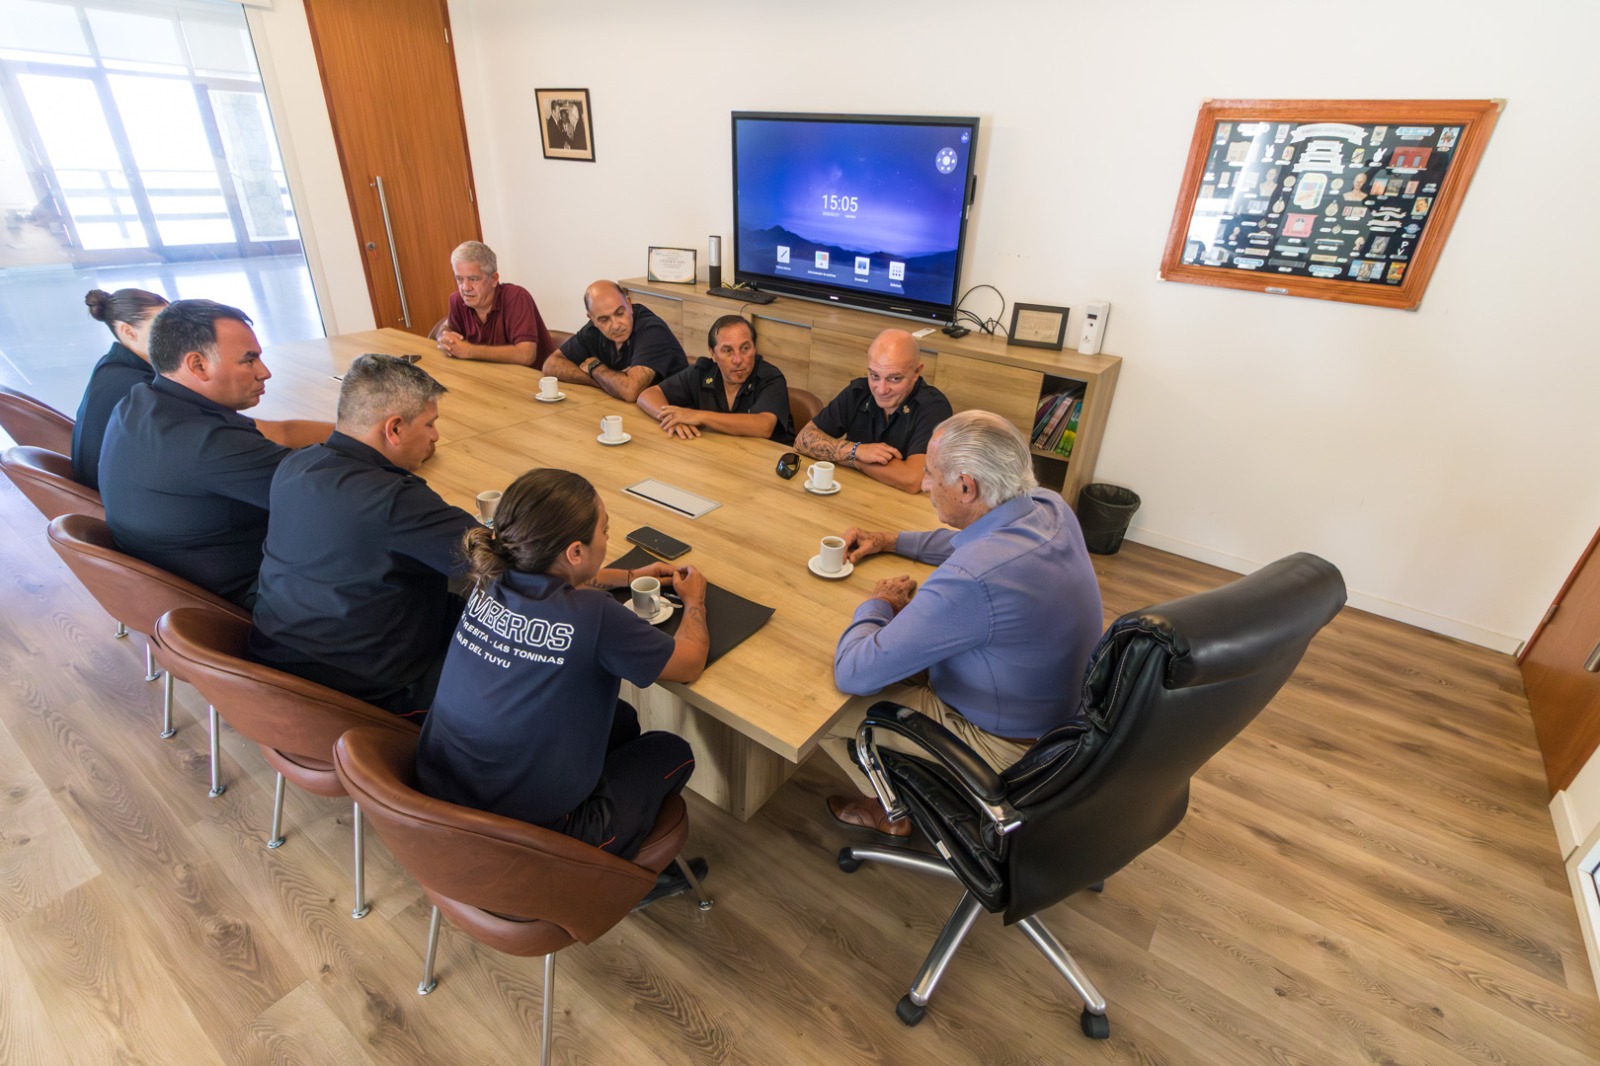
(757, 712)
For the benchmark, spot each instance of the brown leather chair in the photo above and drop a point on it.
(803, 407)
(293, 721)
(34, 424)
(509, 885)
(438, 328)
(45, 478)
(136, 594)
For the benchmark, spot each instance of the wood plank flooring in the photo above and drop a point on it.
(1368, 875)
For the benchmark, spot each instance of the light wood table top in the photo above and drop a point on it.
(775, 688)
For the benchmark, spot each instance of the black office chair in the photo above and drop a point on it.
(1166, 688)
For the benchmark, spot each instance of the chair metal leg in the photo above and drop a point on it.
(1062, 960)
(276, 840)
(852, 857)
(944, 948)
(217, 787)
(150, 671)
(549, 1007)
(706, 902)
(121, 632)
(361, 862)
(166, 707)
(429, 982)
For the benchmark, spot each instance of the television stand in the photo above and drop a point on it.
(749, 296)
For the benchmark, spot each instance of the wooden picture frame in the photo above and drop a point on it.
(1347, 200)
(1038, 326)
(566, 125)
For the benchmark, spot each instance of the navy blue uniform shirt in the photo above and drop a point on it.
(854, 415)
(523, 713)
(117, 372)
(764, 392)
(651, 344)
(354, 588)
(185, 483)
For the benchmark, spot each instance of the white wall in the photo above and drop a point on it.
(1442, 458)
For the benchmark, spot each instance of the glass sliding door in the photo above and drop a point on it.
(137, 149)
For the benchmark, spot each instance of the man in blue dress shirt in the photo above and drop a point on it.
(360, 551)
(995, 643)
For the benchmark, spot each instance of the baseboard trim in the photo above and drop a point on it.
(1399, 612)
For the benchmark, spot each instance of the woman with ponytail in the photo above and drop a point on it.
(526, 722)
(128, 314)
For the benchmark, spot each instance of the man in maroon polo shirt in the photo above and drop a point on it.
(490, 321)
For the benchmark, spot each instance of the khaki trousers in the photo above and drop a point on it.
(998, 752)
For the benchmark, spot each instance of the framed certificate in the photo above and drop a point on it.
(675, 266)
(1038, 326)
(1345, 200)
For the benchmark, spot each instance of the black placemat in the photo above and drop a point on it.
(730, 618)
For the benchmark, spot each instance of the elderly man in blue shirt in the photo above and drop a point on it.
(994, 644)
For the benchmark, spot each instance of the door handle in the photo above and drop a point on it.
(1592, 663)
(394, 254)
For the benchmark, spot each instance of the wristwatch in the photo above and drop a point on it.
(589, 364)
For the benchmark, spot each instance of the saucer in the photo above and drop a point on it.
(557, 398)
(625, 438)
(815, 566)
(663, 612)
(823, 492)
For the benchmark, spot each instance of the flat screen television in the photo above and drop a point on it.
(864, 210)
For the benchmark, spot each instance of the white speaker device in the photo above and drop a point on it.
(1095, 313)
(714, 262)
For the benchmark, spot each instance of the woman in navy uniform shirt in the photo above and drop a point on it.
(526, 722)
(128, 314)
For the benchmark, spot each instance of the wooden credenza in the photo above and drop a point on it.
(822, 348)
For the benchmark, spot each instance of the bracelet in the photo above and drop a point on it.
(630, 579)
(852, 459)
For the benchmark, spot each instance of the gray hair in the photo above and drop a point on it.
(988, 449)
(377, 387)
(476, 252)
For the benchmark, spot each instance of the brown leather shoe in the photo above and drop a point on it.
(865, 813)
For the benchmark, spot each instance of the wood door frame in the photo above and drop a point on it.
(1566, 587)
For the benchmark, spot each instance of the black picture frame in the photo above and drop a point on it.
(566, 124)
(1034, 330)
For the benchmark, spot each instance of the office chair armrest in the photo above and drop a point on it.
(975, 775)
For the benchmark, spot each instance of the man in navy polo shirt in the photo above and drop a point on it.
(184, 476)
(355, 581)
(881, 424)
(732, 391)
(623, 349)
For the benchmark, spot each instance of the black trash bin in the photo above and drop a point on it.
(1104, 512)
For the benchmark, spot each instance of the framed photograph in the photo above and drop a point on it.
(565, 124)
(675, 266)
(1346, 200)
(1038, 326)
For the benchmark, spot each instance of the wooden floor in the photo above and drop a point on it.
(1367, 875)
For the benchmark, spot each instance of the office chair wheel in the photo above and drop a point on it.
(908, 1012)
(849, 864)
(1095, 1026)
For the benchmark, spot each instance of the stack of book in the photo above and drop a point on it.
(1055, 425)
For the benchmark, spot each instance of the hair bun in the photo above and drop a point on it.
(96, 300)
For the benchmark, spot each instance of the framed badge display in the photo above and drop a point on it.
(1346, 200)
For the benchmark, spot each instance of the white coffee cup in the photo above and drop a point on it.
(647, 596)
(611, 427)
(820, 477)
(832, 555)
(487, 504)
(548, 387)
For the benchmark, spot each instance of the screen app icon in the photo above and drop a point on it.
(863, 265)
(822, 260)
(783, 253)
(897, 270)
